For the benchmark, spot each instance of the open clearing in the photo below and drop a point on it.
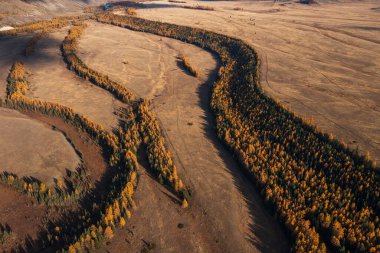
(321, 61)
(30, 148)
(181, 105)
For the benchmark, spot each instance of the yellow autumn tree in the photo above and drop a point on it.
(184, 203)
(108, 233)
(122, 222)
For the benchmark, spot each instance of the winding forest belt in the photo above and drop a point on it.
(324, 194)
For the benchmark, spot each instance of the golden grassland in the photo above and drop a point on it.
(323, 193)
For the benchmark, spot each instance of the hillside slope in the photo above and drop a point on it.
(19, 11)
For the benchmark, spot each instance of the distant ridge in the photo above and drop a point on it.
(20, 11)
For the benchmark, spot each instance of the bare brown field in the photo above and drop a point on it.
(322, 61)
(22, 216)
(33, 149)
(181, 105)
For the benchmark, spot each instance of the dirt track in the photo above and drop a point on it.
(322, 61)
(224, 205)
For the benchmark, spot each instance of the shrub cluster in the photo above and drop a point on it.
(186, 63)
(321, 191)
(5, 234)
(199, 7)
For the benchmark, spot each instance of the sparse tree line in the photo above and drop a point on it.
(321, 191)
(43, 25)
(69, 48)
(159, 158)
(5, 234)
(17, 87)
(62, 192)
(98, 222)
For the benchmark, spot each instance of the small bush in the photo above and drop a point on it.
(200, 7)
(193, 71)
(178, 2)
(130, 11)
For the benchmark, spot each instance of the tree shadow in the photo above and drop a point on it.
(262, 236)
(143, 162)
(181, 66)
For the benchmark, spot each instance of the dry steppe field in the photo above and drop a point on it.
(189, 126)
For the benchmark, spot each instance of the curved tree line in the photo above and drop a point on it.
(101, 221)
(43, 25)
(63, 192)
(69, 48)
(159, 157)
(321, 191)
(102, 218)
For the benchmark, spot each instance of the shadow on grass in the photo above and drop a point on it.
(262, 222)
